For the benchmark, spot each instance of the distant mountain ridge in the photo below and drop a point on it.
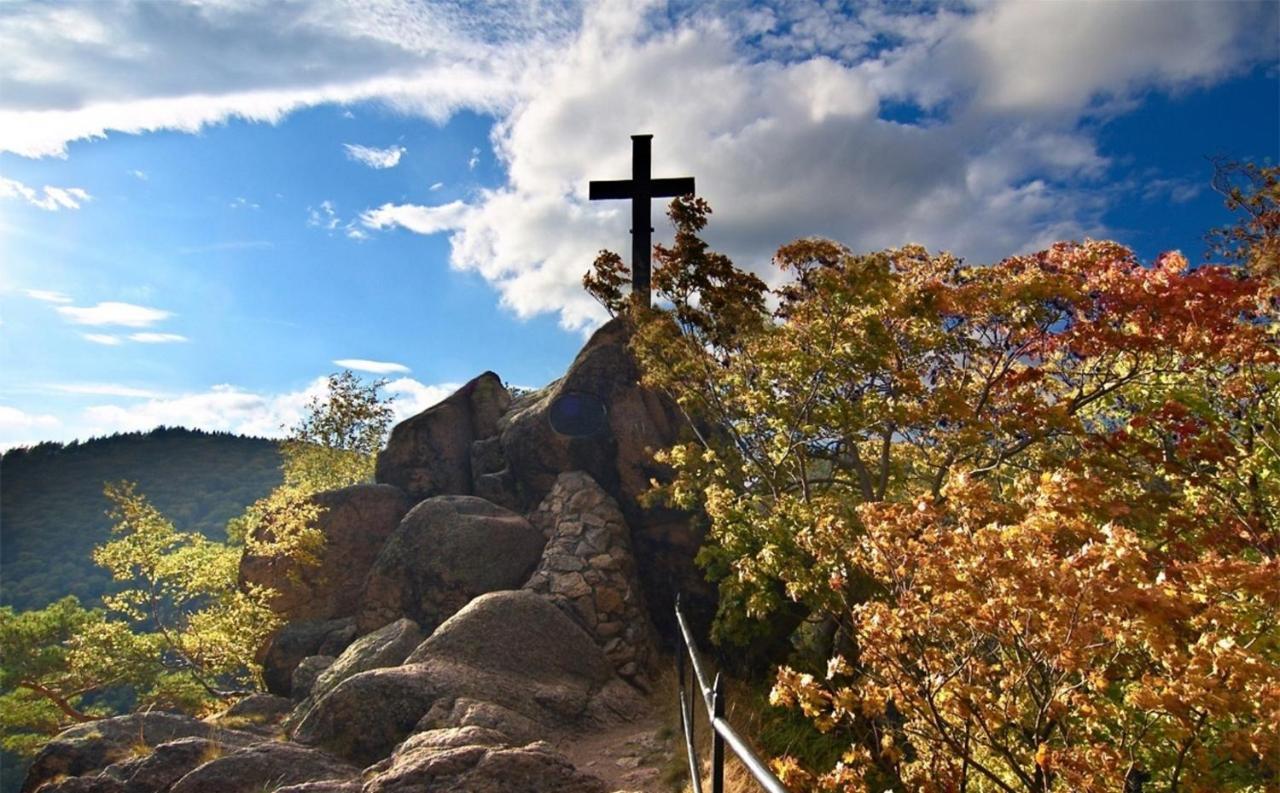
(53, 512)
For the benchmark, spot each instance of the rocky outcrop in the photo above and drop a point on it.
(430, 453)
(387, 646)
(620, 459)
(265, 766)
(588, 570)
(354, 522)
(296, 641)
(86, 749)
(509, 659)
(446, 551)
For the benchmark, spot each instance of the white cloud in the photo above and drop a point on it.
(412, 397)
(79, 72)
(157, 338)
(50, 199)
(240, 202)
(229, 408)
(20, 428)
(324, 217)
(420, 219)
(139, 175)
(784, 113)
(436, 186)
(112, 313)
(374, 157)
(797, 147)
(47, 295)
(373, 367)
(105, 339)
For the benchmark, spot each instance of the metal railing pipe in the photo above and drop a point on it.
(714, 699)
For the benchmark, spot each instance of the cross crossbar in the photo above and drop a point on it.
(641, 188)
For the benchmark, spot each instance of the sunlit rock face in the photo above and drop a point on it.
(430, 454)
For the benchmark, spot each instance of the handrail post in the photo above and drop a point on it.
(717, 741)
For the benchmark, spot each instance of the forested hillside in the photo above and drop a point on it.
(53, 512)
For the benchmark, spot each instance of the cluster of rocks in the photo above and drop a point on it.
(497, 588)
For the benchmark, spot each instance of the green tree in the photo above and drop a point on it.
(334, 445)
(181, 635)
(55, 660)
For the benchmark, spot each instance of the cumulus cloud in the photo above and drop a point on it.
(47, 295)
(113, 313)
(411, 397)
(20, 428)
(50, 199)
(373, 367)
(800, 145)
(965, 127)
(374, 157)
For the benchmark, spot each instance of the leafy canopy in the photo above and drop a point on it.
(1037, 501)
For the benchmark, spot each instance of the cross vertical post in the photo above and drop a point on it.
(641, 188)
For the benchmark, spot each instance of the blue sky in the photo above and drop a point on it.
(204, 208)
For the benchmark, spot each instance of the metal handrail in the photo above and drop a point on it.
(713, 699)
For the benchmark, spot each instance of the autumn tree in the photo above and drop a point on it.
(1035, 500)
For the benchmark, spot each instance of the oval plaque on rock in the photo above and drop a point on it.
(578, 415)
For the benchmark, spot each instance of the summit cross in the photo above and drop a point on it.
(640, 188)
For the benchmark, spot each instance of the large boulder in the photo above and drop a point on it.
(587, 569)
(483, 768)
(387, 646)
(306, 673)
(354, 521)
(261, 713)
(90, 747)
(446, 551)
(430, 454)
(166, 764)
(265, 766)
(298, 640)
(619, 457)
(511, 659)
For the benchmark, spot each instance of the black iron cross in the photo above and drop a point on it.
(640, 188)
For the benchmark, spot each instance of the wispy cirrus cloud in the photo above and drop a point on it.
(47, 296)
(50, 199)
(105, 339)
(157, 338)
(419, 219)
(114, 313)
(378, 159)
(373, 367)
